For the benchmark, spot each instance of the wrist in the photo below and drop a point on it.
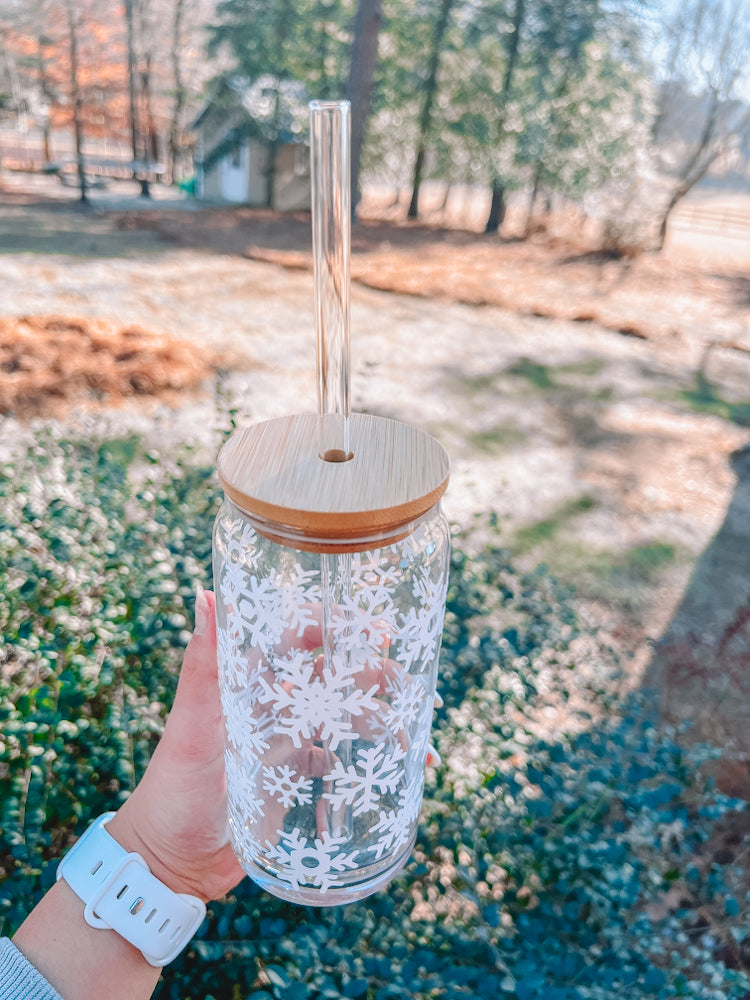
(79, 961)
(121, 893)
(133, 834)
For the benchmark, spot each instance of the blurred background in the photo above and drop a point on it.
(551, 274)
(624, 109)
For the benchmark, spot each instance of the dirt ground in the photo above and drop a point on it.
(599, 405)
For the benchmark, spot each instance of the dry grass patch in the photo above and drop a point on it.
(50, 363)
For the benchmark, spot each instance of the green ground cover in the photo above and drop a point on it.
(560, 862)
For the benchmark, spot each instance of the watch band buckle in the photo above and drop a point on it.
(89, 912)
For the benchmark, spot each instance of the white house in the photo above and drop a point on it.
(251, 144)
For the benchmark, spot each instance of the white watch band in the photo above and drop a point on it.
(121, 894)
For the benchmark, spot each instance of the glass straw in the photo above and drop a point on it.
(330, 128)
(330, 141)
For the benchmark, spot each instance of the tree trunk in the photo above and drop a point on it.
(532, 202)
(285, 16)
(44, 87)
(364, 58)
(677, 195)
(75, 99)
(425, 119)
(694, 170)
(273, 150)
(444, 202)
(150, 138)
(412, 213)
(131, 87)
(173, 142)
(497, 208)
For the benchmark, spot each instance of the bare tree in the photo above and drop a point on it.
(139, 41)
(709, 42)
(72, 17)
(497, 203)
(364, 56)
(46, 93)
(132, 102)
(430, 92)
(174, 145)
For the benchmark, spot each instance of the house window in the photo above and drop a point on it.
(237, 156)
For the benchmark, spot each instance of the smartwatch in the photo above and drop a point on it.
(120, 893)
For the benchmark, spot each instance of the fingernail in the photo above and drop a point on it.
(202, 611)
(438, 700)
(433, 757)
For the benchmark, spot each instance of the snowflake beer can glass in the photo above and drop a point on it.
(330, 579)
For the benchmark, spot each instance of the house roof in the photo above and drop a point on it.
(276, 109)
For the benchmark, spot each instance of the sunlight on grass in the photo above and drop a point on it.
(538, 375)
(557, 376)
(611, 575)
(644, 562)
(704, 398)
(531, 535)
(493, 440)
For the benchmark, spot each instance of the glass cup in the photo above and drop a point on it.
(328, 656)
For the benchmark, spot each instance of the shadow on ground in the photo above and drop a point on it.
(702, 663)
(67, 227)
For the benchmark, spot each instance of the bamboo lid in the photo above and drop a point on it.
(272, 470)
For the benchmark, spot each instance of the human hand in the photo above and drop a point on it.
(176, 817)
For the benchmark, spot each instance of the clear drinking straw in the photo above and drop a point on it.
(330, 142)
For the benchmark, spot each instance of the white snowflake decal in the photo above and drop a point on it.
(364, 620)
(373, 568)
(430, 593)
(241, 788)
(306, 703)
(311, 863)
(397, 825)
(260, 612)
(361, 784)
(234, 665)
(395, 828)
(408, 699)
(365, 703)
(241, 543)
(248, 734)
(422, 626)
(298, 596)
(293, 667)
(233, 579)
(286, 786)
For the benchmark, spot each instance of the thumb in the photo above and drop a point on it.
(197, 705)
(199, 664)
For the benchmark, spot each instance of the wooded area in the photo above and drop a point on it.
(624, 107)
(587, 834)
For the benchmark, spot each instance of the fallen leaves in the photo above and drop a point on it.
(49, 363)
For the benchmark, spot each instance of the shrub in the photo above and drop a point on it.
(544, 857)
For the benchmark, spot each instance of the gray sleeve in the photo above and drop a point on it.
(19, 980)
